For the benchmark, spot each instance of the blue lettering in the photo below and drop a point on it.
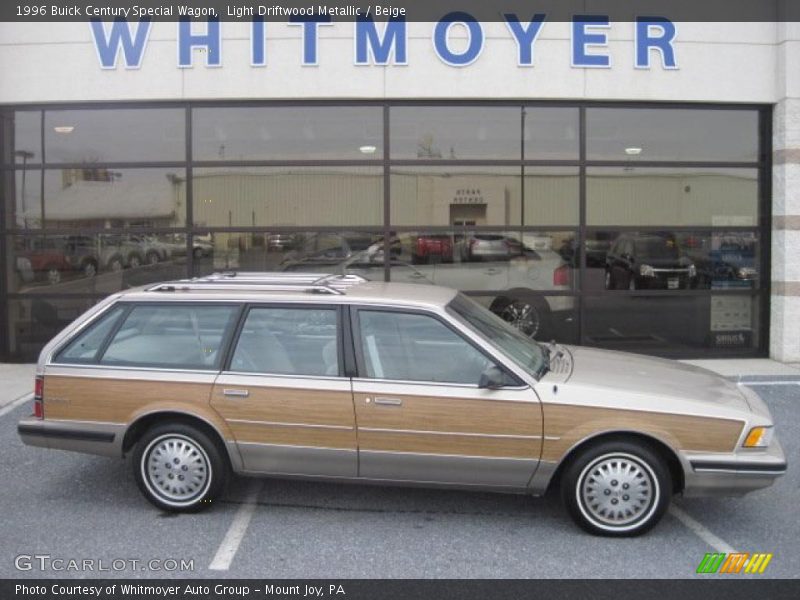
(368, 41)
(474, 47)
(258, 50)
(211, 41)
(120, 36)
(582, 39)
(310, 36)
(655, 33)
(525, 36)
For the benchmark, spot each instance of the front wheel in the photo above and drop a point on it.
(617, 488)
(179, 468)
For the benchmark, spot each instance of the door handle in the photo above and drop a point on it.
(388, 401)
(235, 393)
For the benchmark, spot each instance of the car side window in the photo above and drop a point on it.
(171, 336)
(288, 341)
(413, 347)
(83, 349)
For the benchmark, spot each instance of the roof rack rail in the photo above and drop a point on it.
(321, 283)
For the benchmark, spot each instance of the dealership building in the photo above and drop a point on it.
(624, 185)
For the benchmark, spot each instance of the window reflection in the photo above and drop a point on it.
(103, 197)
(118, 135)
(288, 196)
(23, 143)
(671, 196)
(455, 196)
(672, 260)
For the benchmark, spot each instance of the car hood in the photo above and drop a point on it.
(655, 377)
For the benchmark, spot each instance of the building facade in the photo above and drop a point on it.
(628, 186)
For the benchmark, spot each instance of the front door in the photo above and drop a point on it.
(421, 415)
(283, 394)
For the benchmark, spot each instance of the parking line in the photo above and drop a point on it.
(15, 404)
(230, 544)
(701, 531)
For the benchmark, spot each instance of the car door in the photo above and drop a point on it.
(420, 413)
(283, 393)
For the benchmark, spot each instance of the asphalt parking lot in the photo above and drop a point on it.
(76, 507)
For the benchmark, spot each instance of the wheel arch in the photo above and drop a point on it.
(137, 429)
(659, 446)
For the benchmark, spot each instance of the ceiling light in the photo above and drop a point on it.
(367, 149)
(633, 151)
(64, 128)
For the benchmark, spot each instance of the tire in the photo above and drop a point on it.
(134, 261)
(198, 457)
(595, 495)
(529, 314)
(609, 281)
(197, 253)
(89, 269)
(53, 275)
(115, 264)
(153, 258)
(632, 283)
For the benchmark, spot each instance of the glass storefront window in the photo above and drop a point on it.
(22, 199)
(96, 263)
(632, 134)
(22, 145)
(103, 197)
(455, 196)
(455, 132)
(672, 260)
(34, 321)
(288, 196)
(120, 135)
(281, 250)
(288, 133)
(550, 133)
(552, 196)
(673, 325)
(669, 196)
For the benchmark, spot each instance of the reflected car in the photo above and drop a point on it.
(432, 248)
(45, 261)
(523, 280)
(646, 262)
(91, 255)
(338, 379)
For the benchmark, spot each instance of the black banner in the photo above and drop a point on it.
(410, 10)
(715, 587)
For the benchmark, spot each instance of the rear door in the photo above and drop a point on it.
(283, 393)
(421, 415)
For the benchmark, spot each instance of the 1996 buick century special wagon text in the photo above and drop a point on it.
(329, 376)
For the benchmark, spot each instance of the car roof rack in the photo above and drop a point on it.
(320, 283)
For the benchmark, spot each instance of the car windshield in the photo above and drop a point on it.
(657, 248)
(522, 350)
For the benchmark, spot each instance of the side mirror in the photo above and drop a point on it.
(492, 378)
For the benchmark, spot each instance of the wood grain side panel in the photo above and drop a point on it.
(116, 400)
(574, 423)
(448, 444)
(279, 416)
(287, 405)
(294, 436)
(451, 415)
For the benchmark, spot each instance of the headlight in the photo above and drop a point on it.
(647, 271)
(746, 273)
(692, 271)
(759, 437)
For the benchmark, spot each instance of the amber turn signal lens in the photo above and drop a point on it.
(759, 437)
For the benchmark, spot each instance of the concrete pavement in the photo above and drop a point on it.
(15, 381)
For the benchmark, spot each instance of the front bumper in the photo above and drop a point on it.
(733, 474)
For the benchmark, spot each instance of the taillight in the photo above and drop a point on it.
(561, 275)
(38, 398)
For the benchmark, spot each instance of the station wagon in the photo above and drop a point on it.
(336, 378)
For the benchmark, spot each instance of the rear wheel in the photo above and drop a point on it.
(617, 488)
(179, 468)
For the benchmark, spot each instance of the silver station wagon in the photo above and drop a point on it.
(326, 376)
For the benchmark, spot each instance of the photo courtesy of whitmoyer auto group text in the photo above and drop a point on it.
(365, 300)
